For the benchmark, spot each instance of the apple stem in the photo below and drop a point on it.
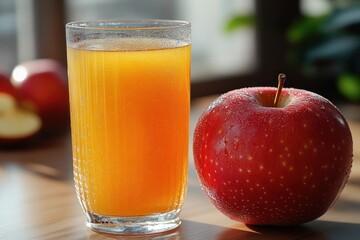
(281, 81)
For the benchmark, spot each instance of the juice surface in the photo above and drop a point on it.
(130, 121)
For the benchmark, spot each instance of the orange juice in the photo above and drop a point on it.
(130, 121)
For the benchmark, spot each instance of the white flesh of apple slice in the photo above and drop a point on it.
(16, 122)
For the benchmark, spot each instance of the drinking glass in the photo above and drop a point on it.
(129, 87)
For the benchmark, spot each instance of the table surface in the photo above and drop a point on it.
(38, 201)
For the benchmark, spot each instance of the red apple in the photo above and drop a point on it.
(17, 125)
(42, 87)
(266, 165)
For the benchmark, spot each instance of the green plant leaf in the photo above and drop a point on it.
(306, 29)
(349, 86)
(343, 18)
(338, 47)
(240, 21)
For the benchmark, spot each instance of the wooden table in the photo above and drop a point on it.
(37, 201)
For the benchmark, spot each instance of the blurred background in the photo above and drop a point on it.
(236, 43)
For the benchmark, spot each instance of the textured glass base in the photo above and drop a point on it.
(134, 225)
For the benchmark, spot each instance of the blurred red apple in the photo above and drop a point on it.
(17, 125)
(42, 87)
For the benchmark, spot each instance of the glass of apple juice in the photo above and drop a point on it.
(130, 98)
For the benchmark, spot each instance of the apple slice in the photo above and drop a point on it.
(17, 125)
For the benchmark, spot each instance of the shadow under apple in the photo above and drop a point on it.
(318, 229)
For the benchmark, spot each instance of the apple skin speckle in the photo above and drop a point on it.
(288, 163)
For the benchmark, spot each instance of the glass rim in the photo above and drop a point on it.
(127, 24)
